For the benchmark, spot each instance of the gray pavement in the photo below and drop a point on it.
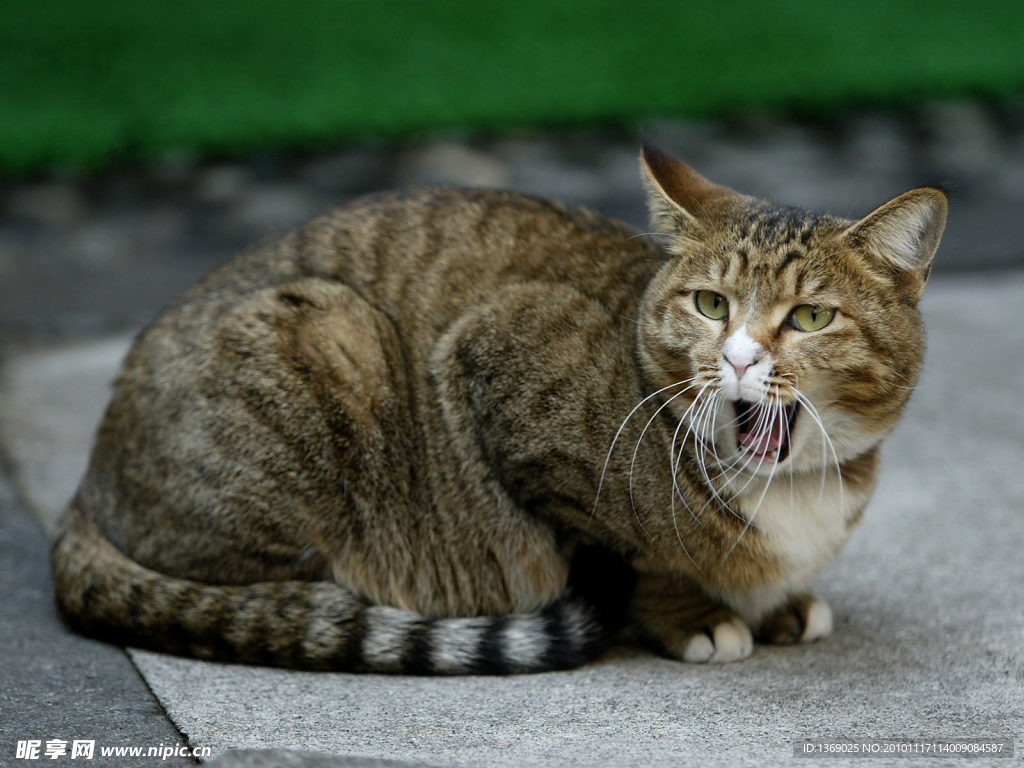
(284, 758)
(57, 685)
(928, 601)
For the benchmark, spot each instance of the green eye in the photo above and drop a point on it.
(809, 318)
(711, 304)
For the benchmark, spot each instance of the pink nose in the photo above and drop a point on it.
(740, 364)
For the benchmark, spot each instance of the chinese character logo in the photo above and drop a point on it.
(56, 748)
(83, 749)
(28, 750)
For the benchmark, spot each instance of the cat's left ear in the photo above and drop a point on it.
(679, 199)
(903, 234)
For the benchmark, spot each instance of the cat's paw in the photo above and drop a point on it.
(729, 639)
(677, 618)
(805, 618)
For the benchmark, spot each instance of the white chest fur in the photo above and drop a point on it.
(802, 522)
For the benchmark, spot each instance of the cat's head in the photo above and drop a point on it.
(788, 338)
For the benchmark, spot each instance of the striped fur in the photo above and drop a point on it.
(394, 440)
(302, 624)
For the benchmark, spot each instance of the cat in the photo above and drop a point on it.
(473, 432)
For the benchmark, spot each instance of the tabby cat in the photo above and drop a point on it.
(450, 432)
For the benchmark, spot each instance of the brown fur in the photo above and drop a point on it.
(399, 415)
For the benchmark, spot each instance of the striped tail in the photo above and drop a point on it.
(303, 625)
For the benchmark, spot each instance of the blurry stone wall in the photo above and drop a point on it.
(86, 256)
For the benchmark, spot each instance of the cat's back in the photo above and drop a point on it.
(244, 370)
(407, 250)
(421, 258)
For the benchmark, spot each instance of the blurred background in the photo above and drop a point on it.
(143, 143)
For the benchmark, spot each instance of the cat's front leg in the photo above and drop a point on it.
(804, 618)
(673, 613)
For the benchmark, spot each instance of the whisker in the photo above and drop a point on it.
(622, 426)
(792, 492)
(762, 420)
(828, 444)
(675, 484)
(718, 462)
(695, 428)
(706, 421)
(673, 463)
(739, 457)
(647, 234)
(632, 463)
(675, 525)
(775, 407)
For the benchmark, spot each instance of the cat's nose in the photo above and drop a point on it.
(740, 362)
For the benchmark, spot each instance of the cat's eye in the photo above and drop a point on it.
(711, 304)
(808, 317)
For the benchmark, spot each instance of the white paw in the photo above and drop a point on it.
(817, 622)
(730, 641)
(699, 648)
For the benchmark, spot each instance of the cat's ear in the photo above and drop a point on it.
(678, 197)
(903, 234)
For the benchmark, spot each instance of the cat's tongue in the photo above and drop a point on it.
(767, 427)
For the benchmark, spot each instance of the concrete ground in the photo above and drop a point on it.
(928, 599)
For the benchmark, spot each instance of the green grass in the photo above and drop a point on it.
(87, 82)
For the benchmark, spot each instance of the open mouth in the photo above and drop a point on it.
(763, 430)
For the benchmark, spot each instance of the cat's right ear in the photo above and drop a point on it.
(678, 198)
(903, 234)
